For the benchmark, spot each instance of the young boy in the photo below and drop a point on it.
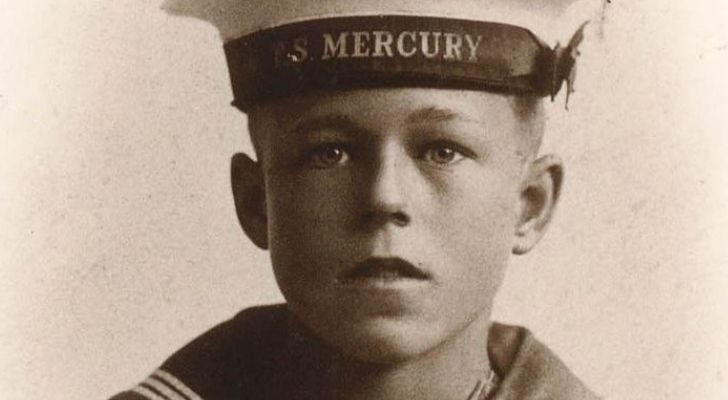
(397, 170)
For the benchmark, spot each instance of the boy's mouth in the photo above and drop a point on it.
(383, 270)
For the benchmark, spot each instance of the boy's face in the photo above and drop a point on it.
(391, 212)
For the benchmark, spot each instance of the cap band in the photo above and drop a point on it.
(392, 51)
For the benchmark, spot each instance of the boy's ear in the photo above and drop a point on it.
(249, 192)
(539, 195)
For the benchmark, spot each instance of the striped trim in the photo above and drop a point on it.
(163, 388)
(146, 393)
(161, 385)
(175, 384)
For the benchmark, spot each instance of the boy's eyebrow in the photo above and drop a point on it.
(345, 124)
(336, 122)
(434, 114)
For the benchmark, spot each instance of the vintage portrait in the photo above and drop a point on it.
(337, 199)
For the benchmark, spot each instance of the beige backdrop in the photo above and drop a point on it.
(118, 241)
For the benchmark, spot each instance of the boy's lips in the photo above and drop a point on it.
(383, 269)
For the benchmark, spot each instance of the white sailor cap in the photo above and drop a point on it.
(275, 49)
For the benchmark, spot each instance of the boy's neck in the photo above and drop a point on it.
(450, 371)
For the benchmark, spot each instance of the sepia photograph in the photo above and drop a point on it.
(339, 199)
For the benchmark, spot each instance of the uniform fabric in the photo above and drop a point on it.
(244, 358)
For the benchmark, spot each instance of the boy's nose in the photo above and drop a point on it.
(388, 198)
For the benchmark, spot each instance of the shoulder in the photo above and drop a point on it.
(235, 357)
(529, 369)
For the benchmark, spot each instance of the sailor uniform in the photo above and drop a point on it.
(280, 49)
(246, 358)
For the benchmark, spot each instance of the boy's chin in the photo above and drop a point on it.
(386, 341)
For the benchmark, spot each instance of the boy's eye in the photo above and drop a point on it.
(443, 154)
(328, 156)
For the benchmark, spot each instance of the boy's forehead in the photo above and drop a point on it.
(284, 48)
(405, 102)
(367, 113)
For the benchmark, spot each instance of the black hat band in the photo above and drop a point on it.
(389, 51)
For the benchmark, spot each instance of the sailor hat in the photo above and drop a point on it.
(286, 47)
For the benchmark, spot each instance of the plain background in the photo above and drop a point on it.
(118, 240)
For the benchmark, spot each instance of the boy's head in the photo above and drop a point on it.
(397, 164)
(390, 214)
